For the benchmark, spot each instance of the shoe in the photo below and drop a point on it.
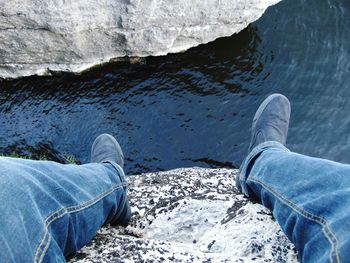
(271, 121)
(106, 148)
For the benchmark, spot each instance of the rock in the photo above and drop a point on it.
(190, 215)
(40, 36)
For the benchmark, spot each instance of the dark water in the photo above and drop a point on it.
(195, 108)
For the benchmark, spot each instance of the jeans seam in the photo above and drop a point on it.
(41, 251)
(329, 234)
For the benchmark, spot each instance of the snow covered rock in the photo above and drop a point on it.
(39, 36)
(191, 215)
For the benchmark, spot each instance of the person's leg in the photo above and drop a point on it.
(309, 197)
(50, 210)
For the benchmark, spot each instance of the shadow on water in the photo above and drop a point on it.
(195, 108)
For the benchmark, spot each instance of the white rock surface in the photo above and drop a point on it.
(39, 36)
(191, 215)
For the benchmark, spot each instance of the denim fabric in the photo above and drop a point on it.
(49, 210)
(309, 197)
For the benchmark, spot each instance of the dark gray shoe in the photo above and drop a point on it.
(106, 148)
(271, 121)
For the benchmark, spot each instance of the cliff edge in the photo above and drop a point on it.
(191, 215)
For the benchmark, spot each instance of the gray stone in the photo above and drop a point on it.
(39, 36)
(190, 215)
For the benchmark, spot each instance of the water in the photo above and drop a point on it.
(195, 108)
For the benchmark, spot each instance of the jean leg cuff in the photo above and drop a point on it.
(243, 173)
(120, 171)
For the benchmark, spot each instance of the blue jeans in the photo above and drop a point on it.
(50, 210)
(309, 198)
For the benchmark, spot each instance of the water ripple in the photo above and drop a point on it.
(195, 108)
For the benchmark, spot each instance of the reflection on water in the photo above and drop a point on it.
(195, 108)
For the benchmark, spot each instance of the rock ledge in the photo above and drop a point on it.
(191, 215)
(40, 36)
